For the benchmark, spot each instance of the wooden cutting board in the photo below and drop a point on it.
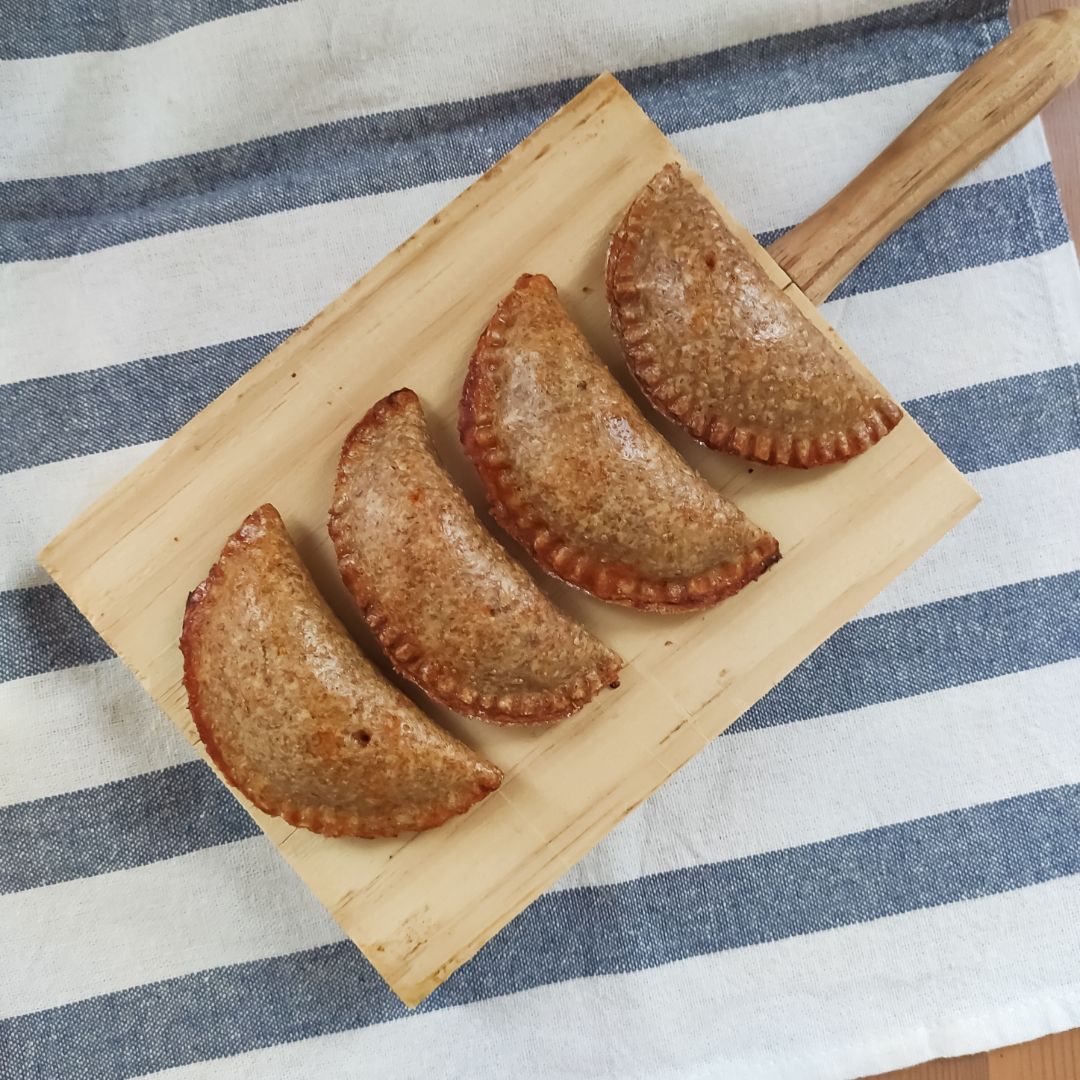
(420, 906)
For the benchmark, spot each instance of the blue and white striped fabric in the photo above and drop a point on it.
(878, 864)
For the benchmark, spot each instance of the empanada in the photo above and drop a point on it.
(295, 716)
(717, 346)
(577, 475)
(452, 610)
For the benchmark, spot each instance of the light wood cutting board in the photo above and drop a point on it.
(421, 906)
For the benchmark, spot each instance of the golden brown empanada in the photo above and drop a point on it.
(577, 475)
(452, 610)
(717, 346)
(296, 718)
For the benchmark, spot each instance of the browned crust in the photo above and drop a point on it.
(440, 681)
(327, 820)
(619, 583)
(768, 447)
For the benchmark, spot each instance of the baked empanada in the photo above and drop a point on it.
(453, 611)
(717, 346)
(578, 476)
(295, 716)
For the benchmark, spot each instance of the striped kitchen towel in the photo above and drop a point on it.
(878, 864)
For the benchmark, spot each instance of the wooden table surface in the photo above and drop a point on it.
(1056, 1057)
(1062, 121)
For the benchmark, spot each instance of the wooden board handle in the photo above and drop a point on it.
(982, 109)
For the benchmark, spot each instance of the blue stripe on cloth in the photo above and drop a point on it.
(85, 412)
(52, 217)
(872, 660)
(951, 233)
(898, 654)
(37, 28)
(42, 630)
(578, 933)
(117, 826)
(1013, 419)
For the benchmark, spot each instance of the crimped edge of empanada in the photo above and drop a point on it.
(616, 582)
(439, 680)
(326, 820)
(769, 447)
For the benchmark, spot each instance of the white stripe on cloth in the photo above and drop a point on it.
(246, 277)
(200, 286)
(847, 1002)
(221, 905)
(37, 503)
(294, 66)
(779, 787)
(758, 791)
(971, 326)
(81, 727)
(774, 169)
(1014, 534)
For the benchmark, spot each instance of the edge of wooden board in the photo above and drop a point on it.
(428, 964)
(431, 231)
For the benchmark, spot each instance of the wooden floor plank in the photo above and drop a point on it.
(1061, 118)
(1054, 1057)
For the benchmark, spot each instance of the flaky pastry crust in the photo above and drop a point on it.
(576, 474)
(296, 718)
(454, 612)
(719, 348)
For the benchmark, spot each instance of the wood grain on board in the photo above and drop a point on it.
(420, 906)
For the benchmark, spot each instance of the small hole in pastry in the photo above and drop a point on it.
(361, 737)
